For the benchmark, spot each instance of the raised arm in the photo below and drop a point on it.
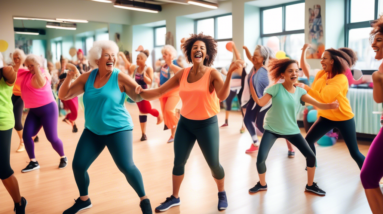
(308, 99)
(126, 61)
(152, 94)
(223, 88)
(67, 90)
(305, 66)
(248, 54)
(10, 75)
(173, 67)
(237, 56)
(148, 76)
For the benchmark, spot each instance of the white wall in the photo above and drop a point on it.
(142, 36)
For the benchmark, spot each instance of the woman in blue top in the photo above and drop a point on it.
(107, 122)
(280, 121)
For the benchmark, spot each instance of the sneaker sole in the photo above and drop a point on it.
(251, 152)
(84, 208)
(291, 156)
(26, 203)
(173, 205)
(309, 190)
(64, 166)
(28, 170)
(222, 209)
(262, 189)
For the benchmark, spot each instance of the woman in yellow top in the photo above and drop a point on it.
(331, 84)
(201, 88)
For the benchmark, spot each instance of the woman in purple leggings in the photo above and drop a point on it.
(372, 170)
(37, 95)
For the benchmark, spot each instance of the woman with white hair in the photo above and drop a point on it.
(255, 84)
(18, 58)
(107, 122)
(37, 95)
(169, 100)
(7, 79)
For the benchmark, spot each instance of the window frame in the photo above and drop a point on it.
(356, 25)
(215, 26)
(155, 36)
(284, 31)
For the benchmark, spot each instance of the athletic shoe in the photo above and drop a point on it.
(258, 187)
(78, 206)
(291, 154)
(31, 166)
(20, 209)
(36, 140)
(144, 138)
(63, 163)
(224, 125)
(21, 148)
(169, 203)
(171, 140)
(252, 149)
(315, 189)
(146, 207)
(74, 130)
(222, 201)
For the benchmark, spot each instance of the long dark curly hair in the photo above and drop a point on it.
(377, 27)
(211, 47)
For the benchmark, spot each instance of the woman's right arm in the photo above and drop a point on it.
(152, 94)
(10, 75)
(69, 91)
(248, 54)
(377, 78)
(305, 66)
(126, 61)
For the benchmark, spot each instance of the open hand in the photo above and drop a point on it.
(236, 65)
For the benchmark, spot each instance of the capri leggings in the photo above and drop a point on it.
(254, 116)
(229, 100)
(372, 170)
(146, 108)
(46, 117)
(346, 128)
(18, 107)
(268, 141)
(120, 147)
(5, 154)
(72, 106)
(169, 102)
(206, 133)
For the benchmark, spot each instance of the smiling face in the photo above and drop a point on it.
(107, 60)
(167, 56)
(377, 46)
(141, 59)
(198, 52)
(16, 59)
(30, 66)
(291, 73)
(326, 62)
(257, 58)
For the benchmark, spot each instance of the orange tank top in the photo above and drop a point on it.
(197, 101)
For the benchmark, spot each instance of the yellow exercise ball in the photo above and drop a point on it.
(3, 45)
(280, 55)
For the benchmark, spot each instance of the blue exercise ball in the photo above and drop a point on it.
(326, 141)
(312, 116)
(63, 112)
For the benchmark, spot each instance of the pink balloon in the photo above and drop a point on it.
(140, 48)
(229, 46)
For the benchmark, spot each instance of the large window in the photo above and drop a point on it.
(359, 14)
(221, 29)
(159, 36)
(282, 28)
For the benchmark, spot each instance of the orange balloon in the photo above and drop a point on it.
(229, 46)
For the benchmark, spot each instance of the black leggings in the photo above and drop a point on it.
(206, 133)
(5, 154)
(18, 107)
(346, 128)
(229, 100)
(268, 141)
(254, 116)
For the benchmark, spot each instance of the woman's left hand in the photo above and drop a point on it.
(139, 89)
(236, 65)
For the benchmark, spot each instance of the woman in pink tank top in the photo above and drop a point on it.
(201, 89)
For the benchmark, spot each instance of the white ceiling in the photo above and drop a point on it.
(266, 3)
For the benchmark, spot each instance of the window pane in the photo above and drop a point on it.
(53, 51)
(360, 43)
(58, 48)
(362, 10)
(89, 43)
(225, 27)
(224, 57)
(295, 17)
(272, 20)
(206, 27)
(160, 36)
(290, 44)
(104, 36)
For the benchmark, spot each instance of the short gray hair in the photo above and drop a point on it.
(96, 51)
(20, 53)
(38, 59)
(171, 50)
(265, 52)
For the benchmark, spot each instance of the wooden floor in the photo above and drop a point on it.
(50, 190)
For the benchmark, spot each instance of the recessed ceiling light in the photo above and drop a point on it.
(26, 33)
(72, 20)
(138, 6)
(103, 1)
(203, 4)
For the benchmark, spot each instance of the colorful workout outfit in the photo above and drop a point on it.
(280, 122)
(326, 91)
(144, 106)
(43, 112)
(7, 122)
(107, 124)
(255, 113)
(18, 103)
(198, 122)
(169, 100)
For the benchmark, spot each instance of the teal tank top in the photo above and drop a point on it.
(105, 112)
